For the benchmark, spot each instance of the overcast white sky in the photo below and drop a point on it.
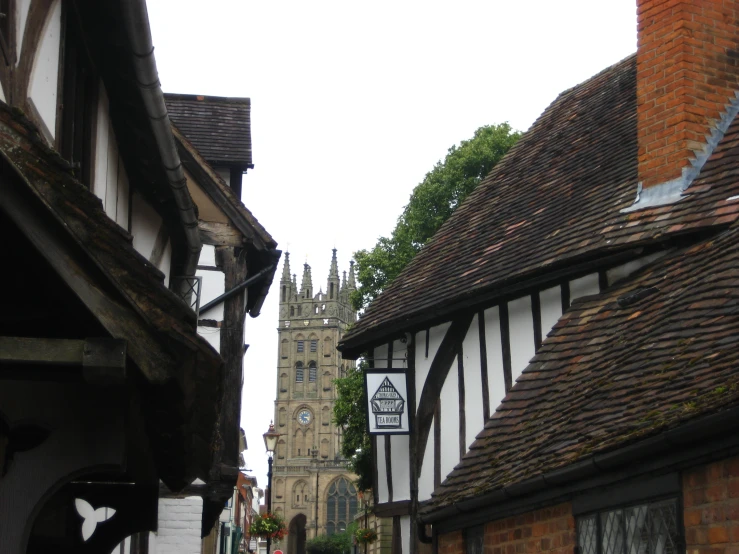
(353, 102)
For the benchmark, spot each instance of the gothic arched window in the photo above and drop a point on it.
(299, 372)
(312, 372)
(341, 505)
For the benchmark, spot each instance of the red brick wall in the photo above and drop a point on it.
(546, 530)
(451, 543)
(711, 502)
(686, 73)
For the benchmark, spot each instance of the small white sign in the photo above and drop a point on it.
(387, 402)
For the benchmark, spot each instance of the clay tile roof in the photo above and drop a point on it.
(553, 200)
(219, 127)
(650, 353)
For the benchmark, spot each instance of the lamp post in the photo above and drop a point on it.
(270, 443)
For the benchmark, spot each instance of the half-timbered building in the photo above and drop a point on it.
(568, 335)
(111, 381)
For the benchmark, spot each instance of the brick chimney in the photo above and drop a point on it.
(687, 79)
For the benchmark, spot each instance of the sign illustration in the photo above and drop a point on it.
(386, 396)
(387, 406)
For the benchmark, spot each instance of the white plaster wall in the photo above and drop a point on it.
(145, 224)
(207, 255)
(423, 363)
(473, 401)
(426, 477)
(380, 355)
(405, 534)
(180, 520)
(450, 421)
(550, 301)
(166, 264)
(624, 270)
(214, 285)
(399, 457)
(382, 492)
(21, 10)
(584, 286)
(494, 349)
(399, 355)
(521, 328)
(110, 182)
(45, 72)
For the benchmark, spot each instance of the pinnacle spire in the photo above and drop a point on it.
(286, 268)
(306, 285)
(352, 282)
(334, 271)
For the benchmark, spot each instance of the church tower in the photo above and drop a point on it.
(312, 488)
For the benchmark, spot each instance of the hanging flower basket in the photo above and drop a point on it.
(365, 536)
(268, 526)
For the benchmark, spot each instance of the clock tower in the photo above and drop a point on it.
(312, 488)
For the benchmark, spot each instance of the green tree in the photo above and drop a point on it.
(430, 205)
(350, 414)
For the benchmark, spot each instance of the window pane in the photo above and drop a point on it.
(313, 345)
(331, 508)
(342, 507)
(586, 535)
(330, 529)
(636, 535)
(342, 486)
(662, 522)
(612, 528)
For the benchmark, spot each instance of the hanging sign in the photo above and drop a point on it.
(387, 401)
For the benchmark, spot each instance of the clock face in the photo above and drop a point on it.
(304, 417)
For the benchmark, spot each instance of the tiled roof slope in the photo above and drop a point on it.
(554, 199)
(611, 374)
(219, 127)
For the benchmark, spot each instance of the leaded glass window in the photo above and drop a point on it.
(341, 505)
(642, 529)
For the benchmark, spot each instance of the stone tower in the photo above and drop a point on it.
(312, 488)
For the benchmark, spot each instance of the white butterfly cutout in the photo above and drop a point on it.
(91, 517)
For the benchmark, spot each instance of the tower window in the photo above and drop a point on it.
(284, 292)
(331, 291)
(313, 345)
(312, 372)
(301, 346)
(299, 372)
(292, 311)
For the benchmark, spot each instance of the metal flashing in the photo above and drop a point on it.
(671, 191)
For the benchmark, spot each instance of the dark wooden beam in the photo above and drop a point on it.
(103, 361)
(87, 283)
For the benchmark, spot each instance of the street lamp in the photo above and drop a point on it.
(270, 443)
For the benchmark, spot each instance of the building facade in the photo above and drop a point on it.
(568, 335)
(312, 488)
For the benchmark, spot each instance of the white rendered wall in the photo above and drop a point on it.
(449, 422)
(494, 349)
(426, 477)
(21, 10)
(405, 534)
(145, 224)
(224, 174)
(423, 363)
(624, 270)
(550, 302)
(380, 355)
(382, 492)
(214, 285)
(45, 72)
(180, 521)
(473, 401)
(110, 181)
(521, 328)
(399, 458)
(584, 286)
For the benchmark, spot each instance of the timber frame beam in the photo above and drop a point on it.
(103, 361)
